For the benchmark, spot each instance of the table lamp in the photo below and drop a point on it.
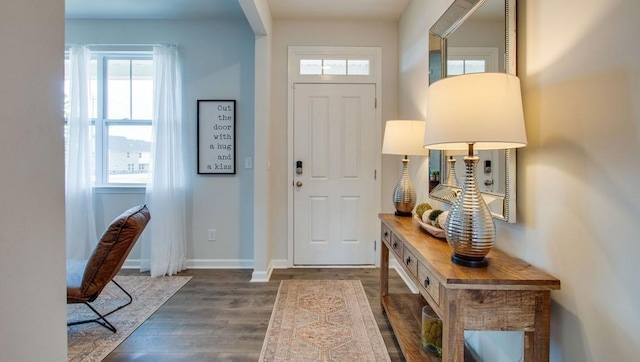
(452, 178)
(404, 137)
(473, 112)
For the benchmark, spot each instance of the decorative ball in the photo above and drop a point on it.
(421, 208)
(441, 220)
(425, 216)
(433, 216)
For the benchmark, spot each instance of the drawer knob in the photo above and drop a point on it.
(408, 261)
(386, 234)
(427, 282)
(395, 244)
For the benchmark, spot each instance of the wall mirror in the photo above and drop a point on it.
(474, 36)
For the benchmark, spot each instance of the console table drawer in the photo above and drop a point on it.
(396, 246)
(429, 283)
(410, 261)
(385, 234)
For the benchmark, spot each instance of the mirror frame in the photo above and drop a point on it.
(452, 18)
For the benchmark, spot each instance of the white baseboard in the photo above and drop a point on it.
(403, 275)
(202, 264)
(264, 276)
(260, 275)
(131, 264)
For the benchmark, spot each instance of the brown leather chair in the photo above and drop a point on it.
(87, 278)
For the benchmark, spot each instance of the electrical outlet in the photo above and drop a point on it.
(211, 235)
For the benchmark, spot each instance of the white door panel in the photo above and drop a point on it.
(334, 204)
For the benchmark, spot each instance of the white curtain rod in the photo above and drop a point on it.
(120, 45)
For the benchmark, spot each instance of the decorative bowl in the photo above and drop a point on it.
(435, 231)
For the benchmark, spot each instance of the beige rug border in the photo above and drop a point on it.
(100, 356)
(273, 314)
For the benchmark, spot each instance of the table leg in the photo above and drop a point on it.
(453, 327)
(536, 342)
(384, 271)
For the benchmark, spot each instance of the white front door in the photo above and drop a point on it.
(334, 199)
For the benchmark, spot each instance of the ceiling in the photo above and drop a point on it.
(230, 9)
(153, 9)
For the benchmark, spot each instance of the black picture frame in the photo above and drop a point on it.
(216, 136)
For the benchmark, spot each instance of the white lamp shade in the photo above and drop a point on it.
(404, 137)
(483, 108)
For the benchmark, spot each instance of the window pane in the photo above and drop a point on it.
(334, 67)
(93, 88)
(129, 152)
(118, 89)
(92, 141)
(310, 66)
(358, 67)
(67, 88)
(142, 89)
(474, 66)
(455, 67)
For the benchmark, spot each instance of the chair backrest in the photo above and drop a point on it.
(112, 249)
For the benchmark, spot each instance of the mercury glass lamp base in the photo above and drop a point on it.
(469, 261)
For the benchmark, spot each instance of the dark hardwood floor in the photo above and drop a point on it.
(219, 315)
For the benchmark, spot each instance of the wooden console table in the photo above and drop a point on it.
(508, 295)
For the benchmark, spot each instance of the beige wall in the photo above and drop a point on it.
(578, 204)
(32, 238)
(315, 33)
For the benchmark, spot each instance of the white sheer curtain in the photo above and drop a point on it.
(79, 213)
(166, 246)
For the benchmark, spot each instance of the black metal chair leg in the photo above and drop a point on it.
(102, 320)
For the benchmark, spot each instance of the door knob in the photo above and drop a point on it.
(299, 183)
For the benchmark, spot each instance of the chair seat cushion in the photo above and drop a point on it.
(75, 271)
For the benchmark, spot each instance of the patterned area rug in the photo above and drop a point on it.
(322, 320)
(92, 342)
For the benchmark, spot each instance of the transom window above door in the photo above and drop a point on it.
(335, 67)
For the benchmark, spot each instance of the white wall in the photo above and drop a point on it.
(32, 236)
(578, 204)
(413, 77)
(328, 33)
(218, 63)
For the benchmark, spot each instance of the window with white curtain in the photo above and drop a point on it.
(121, 108)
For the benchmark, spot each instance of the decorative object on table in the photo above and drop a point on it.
(404, 137)
(431, 336)
(421, 208)
(473, 111)
(216, 136)
(322, 320)
(428, 227)
(452, 178)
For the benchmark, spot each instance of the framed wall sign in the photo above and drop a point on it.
(216, 136)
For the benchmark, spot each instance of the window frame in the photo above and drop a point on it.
(487, 54)
(101, 124)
